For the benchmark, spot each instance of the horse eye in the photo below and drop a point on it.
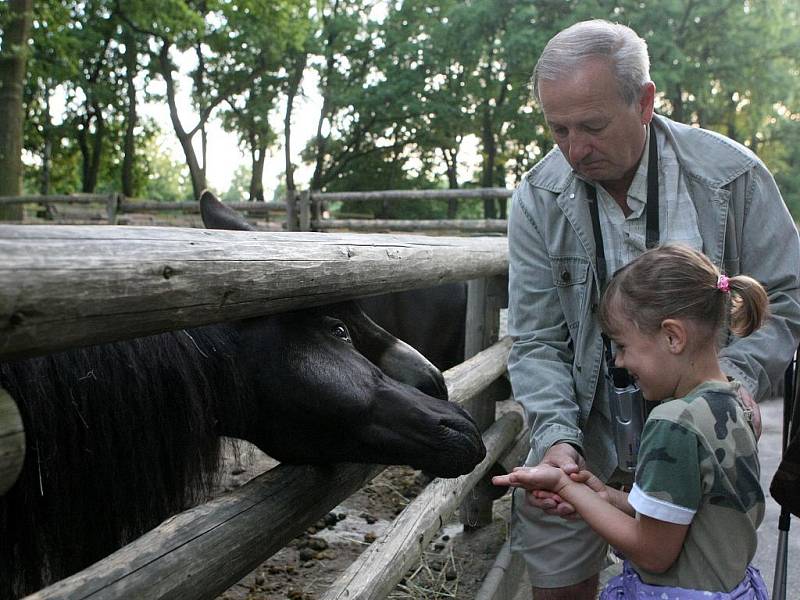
(340, 331)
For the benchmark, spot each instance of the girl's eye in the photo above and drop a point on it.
(340, 331)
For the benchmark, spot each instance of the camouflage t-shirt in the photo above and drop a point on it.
(698, 464)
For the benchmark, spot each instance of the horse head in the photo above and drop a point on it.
(354, 392)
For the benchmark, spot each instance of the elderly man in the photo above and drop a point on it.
(651, 181)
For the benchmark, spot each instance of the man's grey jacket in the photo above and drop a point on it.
(555, 361)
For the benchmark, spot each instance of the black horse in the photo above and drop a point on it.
(122, 435)
(431, 320)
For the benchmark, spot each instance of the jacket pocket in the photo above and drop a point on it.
(570, 274)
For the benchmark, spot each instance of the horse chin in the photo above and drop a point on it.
(460, 451)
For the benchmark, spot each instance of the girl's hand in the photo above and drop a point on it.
(540, 477)
(593, 482)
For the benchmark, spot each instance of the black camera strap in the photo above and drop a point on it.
(652, 234)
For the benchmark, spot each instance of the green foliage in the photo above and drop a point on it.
(406, 87)
(162, 177)
(239, 189)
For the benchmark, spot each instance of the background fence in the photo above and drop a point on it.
(76, 284)
(300, 212)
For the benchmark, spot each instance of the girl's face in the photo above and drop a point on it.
(647, 358)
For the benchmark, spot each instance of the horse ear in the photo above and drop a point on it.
(216, 215)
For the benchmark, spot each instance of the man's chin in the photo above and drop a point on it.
(595, 172)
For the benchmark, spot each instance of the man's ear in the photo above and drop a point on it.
(646, 102)
(675, 334)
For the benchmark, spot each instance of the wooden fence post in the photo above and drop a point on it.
(291, 210)
(12, 442)
(112, 207)
(485, 298)
(305, 211)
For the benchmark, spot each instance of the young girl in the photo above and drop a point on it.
(688, 527)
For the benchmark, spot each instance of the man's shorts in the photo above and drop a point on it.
(557, 552)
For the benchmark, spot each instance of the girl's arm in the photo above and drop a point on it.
(556, 503)
(616, 497)
(651, 544)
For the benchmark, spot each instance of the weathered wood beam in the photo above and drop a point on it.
(378, 569)
(63, 286)
(473, 375)
(137, 204)
(56, 199)
(413, 194)
(129, 205)
(485, 298)
(466, 225)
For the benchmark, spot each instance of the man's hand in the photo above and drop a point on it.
(565, 457)
(751, 410)
(568, 459)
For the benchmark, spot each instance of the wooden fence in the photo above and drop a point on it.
(64, 286)
(302, 210)
(110, 208)
(310, 213)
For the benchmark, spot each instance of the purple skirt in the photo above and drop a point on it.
(628, 585)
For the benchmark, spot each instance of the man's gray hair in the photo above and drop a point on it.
(625, 50)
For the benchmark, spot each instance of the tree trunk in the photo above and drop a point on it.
(257, 173)
(451, 161)
(321, 141)
(13, 56)
(489, 155)
(91, 153)
(47, 147)
(128, 146)
(292, 88)
(195, 172)
(97, 149)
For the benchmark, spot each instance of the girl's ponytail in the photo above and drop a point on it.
(749, 306)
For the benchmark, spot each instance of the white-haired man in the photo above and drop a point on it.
(651, 181)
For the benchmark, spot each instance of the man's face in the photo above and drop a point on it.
(599, 134)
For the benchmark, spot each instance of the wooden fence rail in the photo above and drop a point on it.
(395, 195)
(128, 205)
(462, 225)
(78, 285)
(309, 213)
(117, 204)
(302, 209)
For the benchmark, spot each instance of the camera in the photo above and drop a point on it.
(628, 414)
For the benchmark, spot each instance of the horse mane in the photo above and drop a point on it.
(118, 436)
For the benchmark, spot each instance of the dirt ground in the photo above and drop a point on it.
(454, 565)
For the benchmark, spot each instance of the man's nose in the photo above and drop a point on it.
(579, 147)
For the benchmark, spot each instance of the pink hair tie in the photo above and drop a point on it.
(723, 284)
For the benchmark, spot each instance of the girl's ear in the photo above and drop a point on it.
(675, 333)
